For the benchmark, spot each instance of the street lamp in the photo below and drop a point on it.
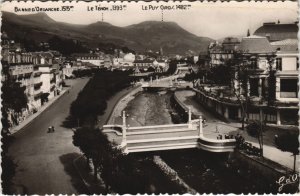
(124, 128)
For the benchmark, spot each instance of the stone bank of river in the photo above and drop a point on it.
(203, 171)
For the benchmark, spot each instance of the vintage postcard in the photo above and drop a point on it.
(161, 97)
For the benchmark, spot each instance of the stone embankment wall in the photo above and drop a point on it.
(261, 166)
(179, 107)
(172, 174)
(122, 103)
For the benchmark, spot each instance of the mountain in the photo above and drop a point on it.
(148, 35)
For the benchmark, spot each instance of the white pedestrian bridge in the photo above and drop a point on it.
(167, 137)
(167, 82)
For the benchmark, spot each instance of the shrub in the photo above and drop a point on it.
(253, 129)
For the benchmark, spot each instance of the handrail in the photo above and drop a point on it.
(157, 126)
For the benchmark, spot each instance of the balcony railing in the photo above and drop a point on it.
(288, 95)
(38, 95)
(38, 85)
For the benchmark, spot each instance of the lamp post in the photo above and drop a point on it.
(190, 117)
(200, 127)
(124, 129)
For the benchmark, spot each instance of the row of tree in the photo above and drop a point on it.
(119, 172)
(14, 100)
(91, 101)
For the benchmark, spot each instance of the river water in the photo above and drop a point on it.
(203, 171)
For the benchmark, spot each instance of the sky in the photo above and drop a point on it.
(210, 19)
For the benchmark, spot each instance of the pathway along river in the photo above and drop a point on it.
(203, 171)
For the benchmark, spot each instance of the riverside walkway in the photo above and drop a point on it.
(167, 137)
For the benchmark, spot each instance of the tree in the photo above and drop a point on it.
(13, 99)
(271, 95)
(220, 75)
(172, 67)
(288, 142)
(254, 129)
(191, 77)
(66, 46)
(110, 167)
(240, 74)
(93, 143)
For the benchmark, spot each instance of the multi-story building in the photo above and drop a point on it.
(30, 79)
(256, 51)
(258, 55)
(93, 58)
(144, 65)
(220, 53)
(287, 80)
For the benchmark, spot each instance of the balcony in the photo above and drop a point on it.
(38, 95)
(52, 88)
(53, 80)
(38, 85)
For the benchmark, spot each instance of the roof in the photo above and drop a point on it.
(86, 55)
(286, 45)
(255, 44)
(88, 64)
(231, 40)
(144, 61)
(277, 32)
(44, 54)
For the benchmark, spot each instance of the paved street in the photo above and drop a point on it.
(45, 159)
(213, 124)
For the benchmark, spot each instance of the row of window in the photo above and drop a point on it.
(91, 58)
(279, 64)
(219, 56)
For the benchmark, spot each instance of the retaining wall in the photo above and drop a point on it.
(268, 170)
(122, 103)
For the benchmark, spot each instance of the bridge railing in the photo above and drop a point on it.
(118, 128)
(157, 127)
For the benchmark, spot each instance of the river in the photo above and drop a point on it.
(205, 172)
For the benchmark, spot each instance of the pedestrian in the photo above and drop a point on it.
(217, 130)
(53, 129)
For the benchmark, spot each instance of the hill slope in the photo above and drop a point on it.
(140, 37)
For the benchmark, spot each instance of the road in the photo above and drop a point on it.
(44, 160)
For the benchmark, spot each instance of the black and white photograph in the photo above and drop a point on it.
(149, 97)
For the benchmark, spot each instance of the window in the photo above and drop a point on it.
(279, 64)
(253, 63)
(288, 88)
(254, 85)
